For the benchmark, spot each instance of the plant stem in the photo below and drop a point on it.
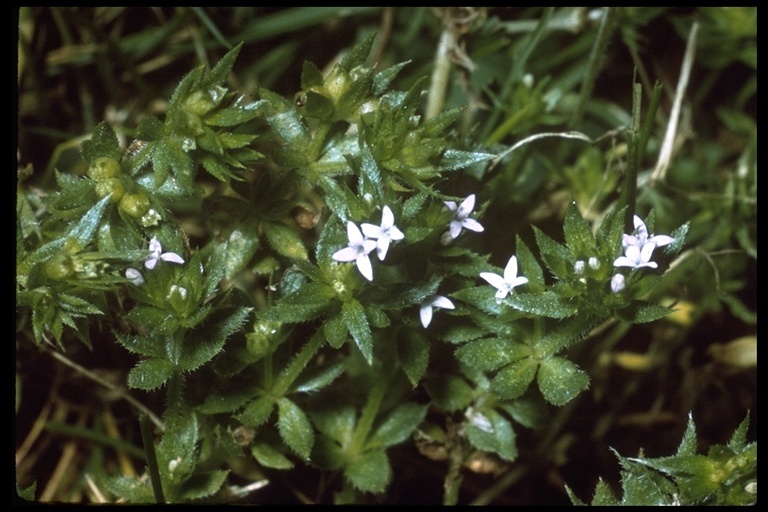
(439, 81)
(371, 409)
(298, 363)
(149, 449)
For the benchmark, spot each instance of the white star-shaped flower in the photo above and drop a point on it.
(158, 254)
(640, 237)
(383, 234)
(433, 301)
(508, 282)
(461, 219)
(357, 251)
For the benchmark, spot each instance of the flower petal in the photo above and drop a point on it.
(372, 230)
(494, 280)
(353, 233)
(364, 266)
(381, 248)
(661, 240)
(442, 302)
(510, 271)
(387, 218)
(171, 257)
(346, 254)
(466, 206)
(425, 312)
(472, 225)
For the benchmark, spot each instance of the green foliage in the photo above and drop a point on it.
(726, 476)
(295, 282)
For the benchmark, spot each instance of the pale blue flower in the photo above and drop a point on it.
(508, 282)
(461, 219)
(158, 254)
(433, 301)
(638, 247)
(357, 251)
(383, 234)
(640, 237)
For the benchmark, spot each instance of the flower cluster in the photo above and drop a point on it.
(376, 237)
(638, 249)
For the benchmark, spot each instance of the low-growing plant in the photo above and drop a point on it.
(314, 280)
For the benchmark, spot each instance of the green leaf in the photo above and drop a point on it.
(449, 392)
(491, 353)
(369, 471)
(454, 159)
(142, 345)
(269, 457)
(513, 380)
(257, 411)
(150, 374)
(130, 489)
(310, 76)
(202, 485)
(556, 257)
(335, 331)
(316, 378)
(357, 55)
(308, 302)
(399, 425)
(235, 116)
(221, 70)
(354, 318)
(413, 355)
(489, 431)
(206, 341)
(295, 428)
(529, 267)
(285, 240)
(177, 450)
(578, 235)
(639, 312)
(548, 304)
(560, 380)
(103, 143)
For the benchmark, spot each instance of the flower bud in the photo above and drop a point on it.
(103, 168)
(58, 267)
(617, 283)
(134, 204)
(113, 186)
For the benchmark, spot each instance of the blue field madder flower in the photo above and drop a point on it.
(461, 219)
(357, 251)
(431, 302)
(383, 234)
(158, 254)
(509, 281)
(638, 247)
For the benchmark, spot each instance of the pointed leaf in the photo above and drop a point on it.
(354, 318)
(513, 380)
(560, 380)
(399, 425)
(150, 374)
(295, 428)
(369, 471)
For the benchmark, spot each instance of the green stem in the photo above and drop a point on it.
(315, 150)
(298, 363)
(439, 81)
(371, 409)
(149, 448)
(604, 33)
(456, 457)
